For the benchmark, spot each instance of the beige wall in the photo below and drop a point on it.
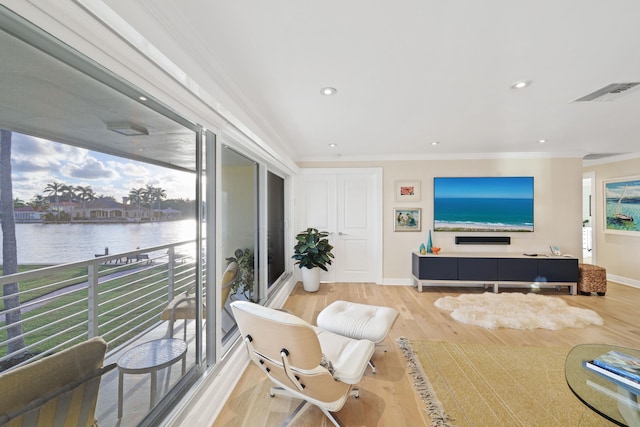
(557, 209)
(617, 253)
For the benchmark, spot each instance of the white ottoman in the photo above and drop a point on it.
(358, 321)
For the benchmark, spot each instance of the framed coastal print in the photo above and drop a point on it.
(407, 219)
(407, 191)
(622, 205)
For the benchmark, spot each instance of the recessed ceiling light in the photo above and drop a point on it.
(142, 98)
(333, 145)
(521, 84)
(542, 141)
(435, 143)
(328, 91)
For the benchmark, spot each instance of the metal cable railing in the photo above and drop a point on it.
(116, 296)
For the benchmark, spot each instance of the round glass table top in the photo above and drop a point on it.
(152, 355)
(605, 397)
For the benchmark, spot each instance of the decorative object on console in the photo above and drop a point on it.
(407, 219)
(407, 191)
(435, 250)
(429, 243)
(423, 250)
(517, 311)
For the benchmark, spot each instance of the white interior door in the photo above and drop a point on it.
(347, 204)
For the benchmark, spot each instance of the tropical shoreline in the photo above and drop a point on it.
(465, 226)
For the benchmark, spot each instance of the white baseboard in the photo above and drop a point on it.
(624, 280)
(397, 282)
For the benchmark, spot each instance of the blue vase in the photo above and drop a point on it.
(423, 250)
(429, 244)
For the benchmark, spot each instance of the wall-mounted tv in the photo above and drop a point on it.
(503, 204)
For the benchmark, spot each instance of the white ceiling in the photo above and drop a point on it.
(408, 73)
(412, 72)
(48, 98)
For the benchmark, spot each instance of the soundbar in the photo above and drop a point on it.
(483, 240)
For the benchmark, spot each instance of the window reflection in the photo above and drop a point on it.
(239, 220)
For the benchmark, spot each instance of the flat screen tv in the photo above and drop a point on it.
(493, 204)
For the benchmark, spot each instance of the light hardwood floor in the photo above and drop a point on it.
(387, 398)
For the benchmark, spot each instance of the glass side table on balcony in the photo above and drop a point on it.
(614, 403)
(147, 358)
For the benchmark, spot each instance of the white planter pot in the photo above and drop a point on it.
(310, 279)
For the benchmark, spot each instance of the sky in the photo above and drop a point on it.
(630, 188)
(484, 187)
(36, 162)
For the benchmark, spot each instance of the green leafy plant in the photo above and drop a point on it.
(245, 279)
(312, 249)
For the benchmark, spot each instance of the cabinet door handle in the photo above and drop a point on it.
(342, 234)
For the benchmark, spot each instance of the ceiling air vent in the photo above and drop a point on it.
(610, 92)
(598, 156)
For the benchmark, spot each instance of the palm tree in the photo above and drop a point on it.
(10, 291)
(158, 194)
(135, 197)
(39, 203)
(55, 190)
(147, 195)
(19, 203)
(85, 194)
(69, 195)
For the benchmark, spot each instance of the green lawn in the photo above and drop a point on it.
(122, 300)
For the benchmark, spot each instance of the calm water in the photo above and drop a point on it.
(482, 211)
(62, 243)
(630, 209)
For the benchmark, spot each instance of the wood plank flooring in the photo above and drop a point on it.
(387, 398)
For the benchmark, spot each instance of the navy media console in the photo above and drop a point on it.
(495, 269)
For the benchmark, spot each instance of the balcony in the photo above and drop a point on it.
(119, 297)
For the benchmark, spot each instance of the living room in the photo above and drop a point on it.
(557, 168)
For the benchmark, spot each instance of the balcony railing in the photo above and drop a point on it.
(115, 296)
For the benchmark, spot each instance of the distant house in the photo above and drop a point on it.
(27, 214)
(105, 208)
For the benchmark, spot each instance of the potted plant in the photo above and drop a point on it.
(244, 281)
(312, 250)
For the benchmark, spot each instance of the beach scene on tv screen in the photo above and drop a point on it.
(503, 204)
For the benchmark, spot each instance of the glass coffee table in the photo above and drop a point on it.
(614, 403)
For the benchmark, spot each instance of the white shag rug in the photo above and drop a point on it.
(517, 311)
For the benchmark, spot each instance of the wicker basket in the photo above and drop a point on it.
(592, 278)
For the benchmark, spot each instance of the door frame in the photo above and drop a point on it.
(377, 234)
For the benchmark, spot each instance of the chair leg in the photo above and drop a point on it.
(332, 417)
(296, 413)
(373, 367)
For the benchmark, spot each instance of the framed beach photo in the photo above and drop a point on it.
(407, 219)
(622, 205)
(407, 191)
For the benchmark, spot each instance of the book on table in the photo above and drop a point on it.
(619, 367)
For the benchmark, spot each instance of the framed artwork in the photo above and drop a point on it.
(622, 205)
(407, 191)
(407, 219)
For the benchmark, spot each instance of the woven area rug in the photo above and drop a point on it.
(494, 385)
(517, 311)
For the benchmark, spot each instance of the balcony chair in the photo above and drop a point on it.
(57, 390)
(183, 306)
(304, 361)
